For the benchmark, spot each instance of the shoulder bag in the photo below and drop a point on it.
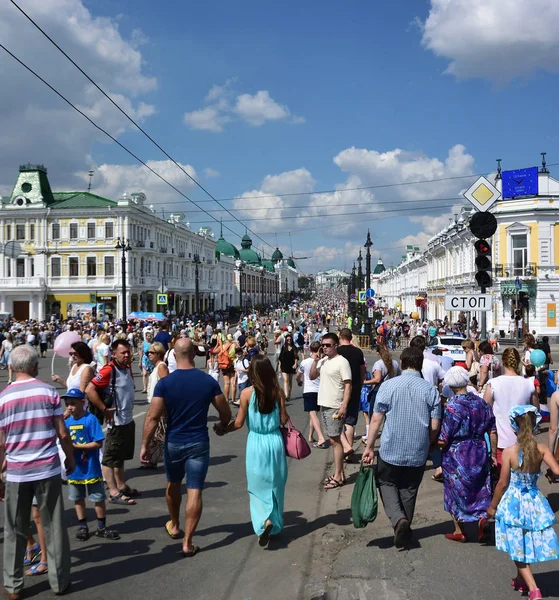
(296, 446)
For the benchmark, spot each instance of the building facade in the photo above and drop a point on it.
(525, 258)
(332, 278)
(60, 256)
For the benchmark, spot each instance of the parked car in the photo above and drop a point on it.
(450, 346)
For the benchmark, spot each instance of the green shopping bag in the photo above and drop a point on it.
(364, 501)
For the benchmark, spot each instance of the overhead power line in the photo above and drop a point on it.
(137, 125)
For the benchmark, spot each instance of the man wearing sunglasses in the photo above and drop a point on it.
(334, 394)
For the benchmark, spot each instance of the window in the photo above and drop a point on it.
(32, 265)
(109, 230)
(73, 231)
(91, 266)
(109, 266)
(20, 232)
(56, 231)
(32, 231)
(55, 266)
(20, 267)
(8, 232)
(8, 267)
(91, 231)
(519, 253)
(74, 266)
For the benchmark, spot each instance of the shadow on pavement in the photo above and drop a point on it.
(220, 460)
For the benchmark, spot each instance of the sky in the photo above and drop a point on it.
(264, 103)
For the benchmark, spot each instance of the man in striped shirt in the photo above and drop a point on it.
(31, 420)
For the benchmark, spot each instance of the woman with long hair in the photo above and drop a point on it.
(523, 517)
(489, 365)
(384, 368)
(263, 407)
(529, 342)
(505, 392)
(81, 371)
(147, 365)
(288, 359)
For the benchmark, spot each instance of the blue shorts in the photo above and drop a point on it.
(95, 492)
(242, 386)
(191, 460)
(310, 401)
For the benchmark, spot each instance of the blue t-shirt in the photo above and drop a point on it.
(188, 394)
(84, 430)
(163, 338)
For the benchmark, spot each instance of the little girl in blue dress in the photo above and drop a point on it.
(523, 517)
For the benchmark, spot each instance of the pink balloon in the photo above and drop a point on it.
(63, 343)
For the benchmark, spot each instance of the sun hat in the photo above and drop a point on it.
(522, 409)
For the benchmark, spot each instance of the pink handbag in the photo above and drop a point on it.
(296, 446)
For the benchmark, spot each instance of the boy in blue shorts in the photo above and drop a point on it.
(87, 479)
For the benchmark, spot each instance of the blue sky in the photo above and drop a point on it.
(260, 99)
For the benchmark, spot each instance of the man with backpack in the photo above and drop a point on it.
(112, 393)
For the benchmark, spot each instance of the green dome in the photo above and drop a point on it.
(380, 268)
(246, 253)
(269, 265)
(291, 262)
(224, 247)
(277, 255)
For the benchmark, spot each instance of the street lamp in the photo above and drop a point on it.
(196, 261)
(124, 245)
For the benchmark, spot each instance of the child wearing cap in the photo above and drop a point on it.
(86, 479)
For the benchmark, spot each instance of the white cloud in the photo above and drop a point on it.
(494, 40)
(211, 173)
(40, 127)
(223, 106)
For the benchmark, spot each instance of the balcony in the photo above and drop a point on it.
(36, 283)
(181, 254)
(139, 244)
(511, 270)
(163, 250)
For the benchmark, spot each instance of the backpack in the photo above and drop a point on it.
(300, 339)
(224, 359)
(108, 396)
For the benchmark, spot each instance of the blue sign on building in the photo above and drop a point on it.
(522, 182)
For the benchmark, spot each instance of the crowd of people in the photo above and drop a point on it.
(475, 420)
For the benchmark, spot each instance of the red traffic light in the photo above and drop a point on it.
(482, 248)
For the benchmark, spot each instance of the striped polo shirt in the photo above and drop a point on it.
(27, 411)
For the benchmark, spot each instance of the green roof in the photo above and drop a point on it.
(80, 200)
(291, 262)
(226, 248)
(247, 254)
(269, 265)
(380, 268)
(277, 255)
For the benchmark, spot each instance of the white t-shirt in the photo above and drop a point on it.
(333, 373)
(171, 360)
(380, 366)
(508, 391)
(310, 386)
(432, 371)
(240, 365)
(103, 350)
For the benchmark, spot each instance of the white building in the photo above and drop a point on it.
(332, 278)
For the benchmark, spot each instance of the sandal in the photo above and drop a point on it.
(333, 484)
(265, 537)
(83, 533)
(173, 536)
(108, 534)
(34, 570)
(322, 446)
(456, 537)
(438, 478)
(130, 492)
(32, 555)
(121, 498)
(519, 584)
(191, 553)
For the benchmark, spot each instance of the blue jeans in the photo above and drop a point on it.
(190, 459)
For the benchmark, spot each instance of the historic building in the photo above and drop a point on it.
(60, 256)
(525, 257)
(332, 278)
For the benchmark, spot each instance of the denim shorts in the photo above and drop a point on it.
(190, 459)
(95, 492)
(242, 386)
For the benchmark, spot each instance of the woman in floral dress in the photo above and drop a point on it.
(466, 460)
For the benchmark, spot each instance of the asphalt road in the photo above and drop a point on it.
(319, 556)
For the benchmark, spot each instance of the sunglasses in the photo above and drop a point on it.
(151, 352)
(326, 345)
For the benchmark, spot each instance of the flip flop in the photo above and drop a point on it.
(34, 570)
(191, 553)
(333, 484)
(265, 537)
(322, 446)
(173, 536)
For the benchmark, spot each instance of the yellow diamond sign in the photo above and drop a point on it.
(482, 194)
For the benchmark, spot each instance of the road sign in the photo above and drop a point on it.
(468, 302)
(370, 303)
(370, 293)
(371, 313)
(362, 297)
(161, 298)
(353, 297)
(482, 194)
(483, 225)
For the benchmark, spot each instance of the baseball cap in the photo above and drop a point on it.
(74, 394)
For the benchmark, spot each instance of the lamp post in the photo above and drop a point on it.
(368, 244)
(123, 245)
(196, 261)
(239, 265)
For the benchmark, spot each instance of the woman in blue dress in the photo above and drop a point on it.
(466, 462)
(523, 517)
(263, 408)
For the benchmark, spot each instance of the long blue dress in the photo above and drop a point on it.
(266, 467)
(524, 520)
(465, 460)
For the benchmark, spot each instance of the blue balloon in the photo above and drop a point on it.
(538, 358)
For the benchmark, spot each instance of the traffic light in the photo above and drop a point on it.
(483, 263)
(171, 299)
